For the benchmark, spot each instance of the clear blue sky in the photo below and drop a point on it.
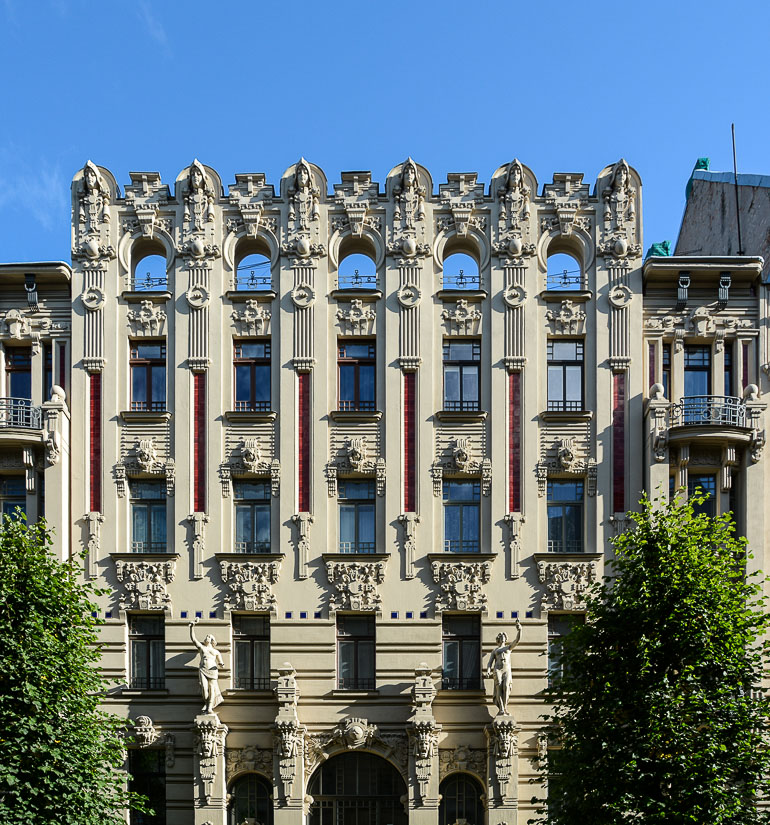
(460, 86)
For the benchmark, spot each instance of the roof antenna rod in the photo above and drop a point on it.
(737, 207)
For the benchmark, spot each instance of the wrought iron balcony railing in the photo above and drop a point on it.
(252, 547)
(461, 545)
(356, 281)
(20, 412)
(356, 683)
(709, 411)
(461, 281)
(357, 547)
(148, 283)
(252, 683)
(565, 545)
(149, 547)
(460, 683)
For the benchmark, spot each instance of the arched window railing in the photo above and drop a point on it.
(150, 274)
(252, 273)
(460, 271)
(564, 273)
(357, 271)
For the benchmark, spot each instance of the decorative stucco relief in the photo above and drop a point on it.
(565, 583)
(461, 585)
(356, 318)
(253, 319)
(250, 195)
(461, 456)
(145, 584)
(462, 318)
(248, 760)
(463, 759)
(355, 585)
(569, 319)
(208, 746)
(250, 584)
(148, 320)
(355, 456)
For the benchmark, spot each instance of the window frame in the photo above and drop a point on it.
(690, 368)
(255, 641)
(153, 657)
(360, 642)
(710, 507)
(18, 362)
(255, 506)
(569, 546)
(461, 505)
(10, 500)
(565, 404)
(357, 505)
(461, 365)
(151, 507)
(155, 791)
(465, 641)
(137, 365)
(253, 364)
(357, 404)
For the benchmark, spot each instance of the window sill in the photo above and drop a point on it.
(129, 692)
(567, 415)
(577, 296)
(444, 557)
(250, 294)
(354, 557)
(353, 693)
(125, 555)
(455, 294)
(550, 557)
(355, 416)
(145, 416)
(249, 693)
(226, 555)
(459, 416)
(251, 416)
(349, 293)
(464, 692)
(135, 296)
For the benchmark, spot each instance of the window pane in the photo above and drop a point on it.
(451, 522)
(470, 523)
(355, 350)
(157, 661)
(366, 522)
(470, 383)
(150, 351)
(460, 351)
(452, 383)
(263, 524)
(262, 384)
(470, 660)
(138, 383)
(347, 651)
(159, 384)
(243, 383)
(347, 523)
(243, 524)
(565, 350)
(366, 382)
(347, 382)
(252, 349)
(252, 491)
(451, 659)
(555, 516)
(696, 382)
(261, 660)
(555, 384)
(158, 523)
(573, 516)
(140, 522)
(366, 660)
(574, 383)
(139, 672)
(242, 663)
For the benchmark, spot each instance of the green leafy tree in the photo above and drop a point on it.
(61, 757)
(656, 713)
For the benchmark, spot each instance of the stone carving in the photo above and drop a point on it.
(409, 199)
(355, 458)
(16, 324)
(542, 748)
(250, 454)
(144, 584)
(514, 296)
(149, 319)
(499, 668)
(357, 318)
(302, 522)
(146, 194)
(568, 320)
(355, 584)
(198, 521)
(197, 296)
(94, 520)
(619, 198)
(354, 733)
(146, 454)
(423, 689)
(93, 210)
(250, 584)
(565, 583)
(303, 295)
(566, 453)
(248, 760)
(567, 195)
(208, 669)
(463, 319)
(458, 458)
(356, 194)
(409, 522)
(408, 295)
(288, 733)
(424, 736)
(503, 744)
(144, 731)
(462, 194)
(303, 197)
(52, 447)
(198, 202)
(461, 585)
(209, 744)
(514, 197)
(253, 319)
(464, 759)
(250, 195)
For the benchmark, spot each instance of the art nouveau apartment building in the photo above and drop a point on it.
(357, 431)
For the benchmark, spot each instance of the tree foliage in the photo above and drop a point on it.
(657, 717)
(61, 757)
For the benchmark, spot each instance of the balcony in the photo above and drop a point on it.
(708, 411)
(20, 420)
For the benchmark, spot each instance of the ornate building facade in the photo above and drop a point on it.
(373, 442)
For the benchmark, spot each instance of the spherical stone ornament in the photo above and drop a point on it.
(621, 247)
(93, 298)
(514, 295)
(303, 295)
(197, 296)
(408, 295)
(91, 247)
(409, 246)
(198, 248)
(620, 296)
(515, 246)
(303, 246)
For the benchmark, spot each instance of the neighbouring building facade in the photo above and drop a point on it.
(373, 438)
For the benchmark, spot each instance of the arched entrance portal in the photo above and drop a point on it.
(251, 801)
(357, 789)
(460, 800)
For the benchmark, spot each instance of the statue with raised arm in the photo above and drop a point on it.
(499, 667)
(208, 670)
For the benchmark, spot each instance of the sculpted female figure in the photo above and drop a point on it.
(303, 203)
(619, 196)
(208, 672)
(94, 202)
(410, 197)
(500, 660)
(514, 196)
(199, 200)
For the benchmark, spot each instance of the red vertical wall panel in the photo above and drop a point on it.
(410, 491)
(651, 365)
(514, 442)
(303, 441)
(619, 442)
(62, 382)
(95, 441)
(745, 376)
(199, 442)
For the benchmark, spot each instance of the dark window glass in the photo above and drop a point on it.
(251, 652)
(461, 516)
(729, 388)
(705, 483)
(462, 653)
(147, 652)
(18, 372)
(355, 652)
(461, 375)
(558, 628)
(697, 370)
(251, 800)
(148, 376)
(565, 375)
(252, 376)
(460, 800)
(147, 769)
(357, 512)
(356, 369)
(565, 516)
(47, 370)
(13, 494)
(252, 516)
(666, 377)
(148, 516)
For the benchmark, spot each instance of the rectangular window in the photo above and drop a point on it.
(13, 494)
(461, 516)
(705, 483)
(148, 376)
(147, 769)
(697, 370)
(565, 516)
(355, 652)
(729, 386)
(148, 516)
(147, 652)
(251, 652)
(252, 516)
(565, 375)
(356, 368)
(461, 637)
(461, 375)
(357, 511)
(18, 372)
(666, 374)
(558, 628)
(252, 376)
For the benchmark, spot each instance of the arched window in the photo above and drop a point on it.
(357, 788)
(357, 271)
(253, 273)
(460, 799)
(461, 271)
(564, 272)
(251, 801)
(150, 273)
